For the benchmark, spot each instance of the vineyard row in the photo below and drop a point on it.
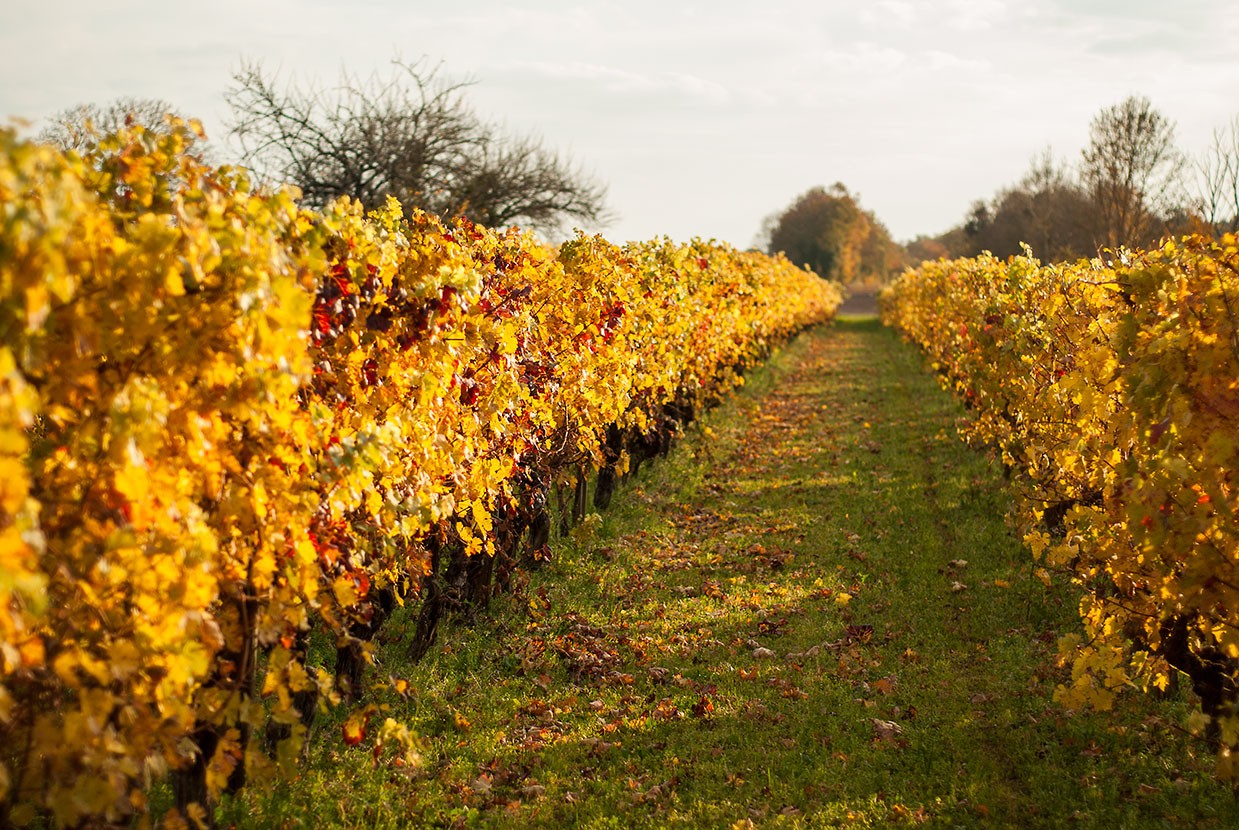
(228, 423)
(1111, 391)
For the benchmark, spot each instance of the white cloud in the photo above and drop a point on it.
(939, 60)
(973, 15)
(704, 116)
(627, 82)
(899, 13)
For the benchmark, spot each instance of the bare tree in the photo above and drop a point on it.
(1218, 179)
(504, 180)
(412, 136)
(1132, 171)
(80, 128)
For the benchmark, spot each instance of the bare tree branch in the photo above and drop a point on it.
(1217, 180)
(1133, 171)
(410, 136)
(80, 128)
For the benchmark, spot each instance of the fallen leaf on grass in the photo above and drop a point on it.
(539, 709)
(597, 746)
(761, 652)
(774, 559)
(861, 633)
(788, 689)
(957, 587)
(703, 708)
(801, 655)
(667, 710)
(901, 813)
(772, 628)
(886, 731)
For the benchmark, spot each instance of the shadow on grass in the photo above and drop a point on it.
(811, 614)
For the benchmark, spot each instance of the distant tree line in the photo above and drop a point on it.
(412, 135)
(1131, 186)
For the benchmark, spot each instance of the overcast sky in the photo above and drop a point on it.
(702, 118)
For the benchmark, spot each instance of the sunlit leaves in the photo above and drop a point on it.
(155, 310)
(1110, 390)
(225, 421)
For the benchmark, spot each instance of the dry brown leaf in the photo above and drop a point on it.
(886, 730)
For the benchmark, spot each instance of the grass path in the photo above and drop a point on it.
(811, 615)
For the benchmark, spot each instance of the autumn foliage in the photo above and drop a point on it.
(1109, 388)
(228, 422)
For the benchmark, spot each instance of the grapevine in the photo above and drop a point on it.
(1109, 390)
(228, 423)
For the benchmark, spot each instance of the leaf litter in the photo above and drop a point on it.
(753, 639)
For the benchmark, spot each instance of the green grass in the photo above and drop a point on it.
(812, 614)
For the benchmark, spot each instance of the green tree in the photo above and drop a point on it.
(829, 232)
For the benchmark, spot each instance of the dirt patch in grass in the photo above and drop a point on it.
(860, 304)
